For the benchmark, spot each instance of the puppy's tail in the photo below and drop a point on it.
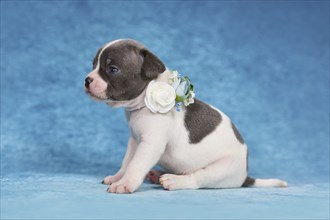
(264, 182)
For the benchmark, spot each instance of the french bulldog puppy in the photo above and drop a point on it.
(197, 147)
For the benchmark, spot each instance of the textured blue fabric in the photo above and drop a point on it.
(265, 64)
(68, 196)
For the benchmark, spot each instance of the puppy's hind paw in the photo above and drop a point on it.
(153, 176)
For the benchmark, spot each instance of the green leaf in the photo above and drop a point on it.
(191, 87)
(178, 99)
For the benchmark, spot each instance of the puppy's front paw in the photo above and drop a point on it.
(111, 179)
(123, 186)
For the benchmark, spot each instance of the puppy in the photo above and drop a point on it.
(197, 146)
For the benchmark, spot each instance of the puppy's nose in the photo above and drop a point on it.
(88, 81)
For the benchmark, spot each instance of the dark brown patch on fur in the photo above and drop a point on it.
(200, 120)
(237, 134)
(136, 68)
(248, 182)
(152, 65)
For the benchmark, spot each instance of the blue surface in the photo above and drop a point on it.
(265, 64)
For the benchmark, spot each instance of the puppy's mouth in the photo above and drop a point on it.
(94, 96)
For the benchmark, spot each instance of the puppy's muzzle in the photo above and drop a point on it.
(88, 81)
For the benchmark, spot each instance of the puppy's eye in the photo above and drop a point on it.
(113, 69)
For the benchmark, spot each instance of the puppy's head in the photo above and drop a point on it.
(121, 71)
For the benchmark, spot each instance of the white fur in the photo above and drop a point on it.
(218, 161)
(98, 87)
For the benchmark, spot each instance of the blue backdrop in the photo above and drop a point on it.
(265, 64)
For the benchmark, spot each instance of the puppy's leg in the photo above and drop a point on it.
(154, 175)
(146, 156)
(131, 148)
(224, 173)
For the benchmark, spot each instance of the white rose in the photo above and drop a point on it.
(160, 97)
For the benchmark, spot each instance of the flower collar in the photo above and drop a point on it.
(161, 97)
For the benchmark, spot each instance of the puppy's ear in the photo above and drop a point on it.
(152, 66)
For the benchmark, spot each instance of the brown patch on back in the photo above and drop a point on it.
(200, 120)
